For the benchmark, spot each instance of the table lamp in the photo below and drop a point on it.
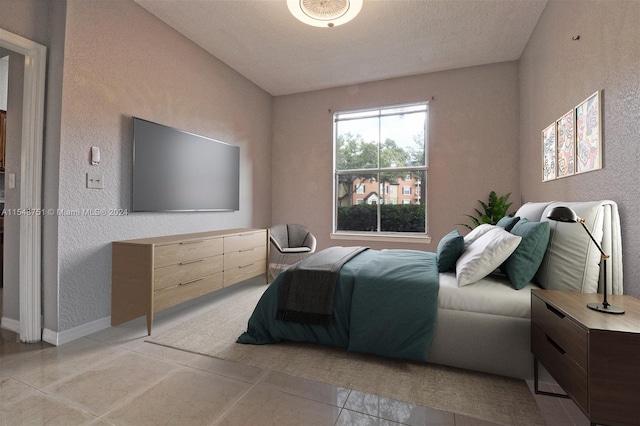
(565, 214)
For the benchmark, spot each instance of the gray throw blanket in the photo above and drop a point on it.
(308, 287)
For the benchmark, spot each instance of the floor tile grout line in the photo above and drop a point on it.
(132, 397)
(54, 397)
(231, 406)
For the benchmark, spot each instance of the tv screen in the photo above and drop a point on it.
(178, 171)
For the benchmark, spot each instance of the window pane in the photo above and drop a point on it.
(357, 188)
(357, 144)
(402, 139)
(407, 211)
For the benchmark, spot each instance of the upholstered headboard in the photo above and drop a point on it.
(572, 262)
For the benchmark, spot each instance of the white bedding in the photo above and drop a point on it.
(491, 295)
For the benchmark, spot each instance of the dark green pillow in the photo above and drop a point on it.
(508, 222)
(449, 250)
(523, 263)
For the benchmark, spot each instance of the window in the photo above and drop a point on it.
(384, 149)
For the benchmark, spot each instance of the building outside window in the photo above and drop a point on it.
(377, 152)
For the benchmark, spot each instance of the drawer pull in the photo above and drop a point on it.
(190, 262)
(191, 242)
(192, 281)
(555, 311)
(246, 250)
(246, 266)
(555, 345)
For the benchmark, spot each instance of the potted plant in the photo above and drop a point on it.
(493, 210)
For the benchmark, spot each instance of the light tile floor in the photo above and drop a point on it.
(114, 377)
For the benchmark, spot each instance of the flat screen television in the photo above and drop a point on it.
(178, 171)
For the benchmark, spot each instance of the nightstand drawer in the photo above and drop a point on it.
(561, 366)
(567, 334)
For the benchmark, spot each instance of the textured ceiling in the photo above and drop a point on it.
(389, 38)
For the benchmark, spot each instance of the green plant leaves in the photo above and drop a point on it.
(492, 211)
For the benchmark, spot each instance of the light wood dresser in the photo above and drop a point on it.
(594, 356)
(152, 274)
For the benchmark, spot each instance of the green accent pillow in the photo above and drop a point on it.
(524, 262)
(449, 250)
(508, 222)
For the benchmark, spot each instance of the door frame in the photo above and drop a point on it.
(30, 280)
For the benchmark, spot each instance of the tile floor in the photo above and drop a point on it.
(114, 377)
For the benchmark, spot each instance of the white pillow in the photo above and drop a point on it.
(485, 255)
(476, 233)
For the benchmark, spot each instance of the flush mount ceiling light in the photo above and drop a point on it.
(324, 13)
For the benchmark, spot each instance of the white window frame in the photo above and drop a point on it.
(418, 237)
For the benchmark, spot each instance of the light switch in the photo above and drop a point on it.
(11, 181)
(94, 181)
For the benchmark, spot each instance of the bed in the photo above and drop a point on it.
(478, 314)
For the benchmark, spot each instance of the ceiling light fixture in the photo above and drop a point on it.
(324, 13)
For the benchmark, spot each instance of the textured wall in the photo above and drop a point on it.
(473, 148)
(557, 73)
(120, 61)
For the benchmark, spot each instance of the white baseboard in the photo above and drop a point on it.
(62, 337)
(10, 324)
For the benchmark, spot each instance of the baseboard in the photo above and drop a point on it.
(61, 337)
(10, 324)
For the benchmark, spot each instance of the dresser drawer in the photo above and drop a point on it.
(244, 257)
(244, 272)
(171, 296)
(562, 367)
(245, 240)
(186, 271)
(173, 254)
(565, 333)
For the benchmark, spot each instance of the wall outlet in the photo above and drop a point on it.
(94, 181)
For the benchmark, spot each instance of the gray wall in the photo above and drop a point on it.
(109, 60)
(557, 73)
(472, 131)
(120, 61)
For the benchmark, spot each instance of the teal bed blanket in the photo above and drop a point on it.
(385, 303)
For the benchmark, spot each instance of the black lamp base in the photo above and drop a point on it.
(607, 309)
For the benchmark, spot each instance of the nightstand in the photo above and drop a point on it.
(594, 357)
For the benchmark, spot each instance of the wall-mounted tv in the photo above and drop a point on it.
(178, 171)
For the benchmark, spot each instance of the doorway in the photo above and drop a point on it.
(30, 327)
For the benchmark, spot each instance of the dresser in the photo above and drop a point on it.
(594, 356)
(152, 274)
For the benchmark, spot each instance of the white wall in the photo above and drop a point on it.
(557, 73)
(473, 145)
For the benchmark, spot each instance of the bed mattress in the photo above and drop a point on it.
(491, 295)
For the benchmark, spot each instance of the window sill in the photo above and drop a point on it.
(394, 238)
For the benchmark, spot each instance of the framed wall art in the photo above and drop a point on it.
(566, 145)
(573, 143)
(589, 134)
(549, 153)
